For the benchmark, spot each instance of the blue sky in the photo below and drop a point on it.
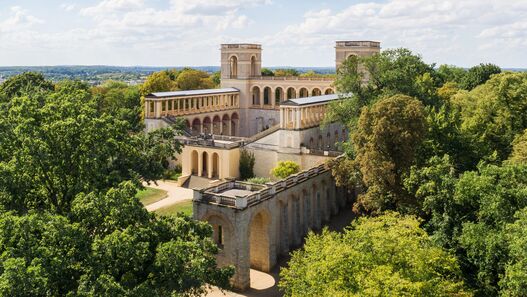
(294, 33)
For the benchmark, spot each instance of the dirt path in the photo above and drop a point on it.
(175, 194)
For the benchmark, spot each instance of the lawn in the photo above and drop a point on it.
(151, 195)
(184, 207)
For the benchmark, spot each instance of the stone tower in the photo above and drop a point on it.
(345, 49)
(241, 61)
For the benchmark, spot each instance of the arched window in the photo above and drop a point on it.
(316, 92)
(256, 95)
(234, 66)
(303, 93)
(267, 96)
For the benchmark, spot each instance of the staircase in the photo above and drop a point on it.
(264, 133)
(198, 182)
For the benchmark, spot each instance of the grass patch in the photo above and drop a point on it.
(184, 207)
(150, 195)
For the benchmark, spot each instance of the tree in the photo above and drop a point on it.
(57, 145)
(25, 83)
(285, 169)
(246, 164)
(514, 282)
(451, 73)
(519, 148)
(493, 114)
(286, 72)
(497, 193)
(386, 141)
(368, 79)
(70, 221)
(267, 72)
(109, 245)
(157, 82)
(388, 255)
(120, 100)
(190, 79)
(478, 75)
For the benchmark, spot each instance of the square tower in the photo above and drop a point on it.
(241, 61)
(345, 49)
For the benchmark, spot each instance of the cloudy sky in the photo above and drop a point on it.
(292, 32)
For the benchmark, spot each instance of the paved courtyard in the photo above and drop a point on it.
(175, 194)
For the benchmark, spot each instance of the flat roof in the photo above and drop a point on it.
(192, 93)
(312, 100)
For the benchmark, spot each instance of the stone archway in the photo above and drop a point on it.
(196, 127)
(303, 93)
(216, 125)
(259, 241)
(267, 96)
(278, 95)
(194, 162)
(233, 61)
(291, 93)
(207, 125)
(329, 91)
(215, 165)
(255, 94)
(234, 124)
(316, 92)
(226, 120)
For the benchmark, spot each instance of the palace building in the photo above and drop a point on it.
(274, 118)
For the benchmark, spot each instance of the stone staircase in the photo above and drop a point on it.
(198, 182)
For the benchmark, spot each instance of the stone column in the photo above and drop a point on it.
(200, 163)
(209, 166)
(241, 257)
(281, 118)
(298, 118)
(272, 98)
(261, 98)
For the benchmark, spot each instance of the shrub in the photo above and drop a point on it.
(258, 180)
(285, 169)
(246, 165)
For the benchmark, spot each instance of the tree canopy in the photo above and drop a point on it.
(70, 222)
(388, 255)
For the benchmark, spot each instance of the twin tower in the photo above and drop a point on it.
(244, 61)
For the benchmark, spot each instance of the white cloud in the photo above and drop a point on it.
(432, 27)
(19, 19)
(112, 6)
(68, 6)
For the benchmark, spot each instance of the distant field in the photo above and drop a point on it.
(183, 207)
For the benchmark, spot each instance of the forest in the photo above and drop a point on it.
(437, 160)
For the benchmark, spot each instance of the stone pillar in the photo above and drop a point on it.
(297, 118)
(242, 262)
(272, 98)
(282, 118)
(209, 165)
(200, 164)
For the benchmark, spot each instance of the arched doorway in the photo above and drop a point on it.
(194, 162)
(216, 125)
(204, 162)
(329, 91)
(303, 93)
(196, 127)
(259, 245)
(256, 95)
(234, 67)
(215, 165)
(278, 95)
(316, 92)
(291, 93)
(207, 125)
(267, 96)
(234, 124)
(311, 143)
(320, 143)
(225, 124)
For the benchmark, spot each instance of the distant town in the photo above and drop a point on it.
(132, 75)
